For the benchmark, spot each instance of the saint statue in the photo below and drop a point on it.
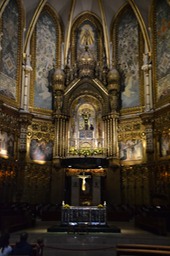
(87, 35)
(86, 116)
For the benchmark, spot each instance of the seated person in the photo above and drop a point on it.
(23, 247)
(5, 248)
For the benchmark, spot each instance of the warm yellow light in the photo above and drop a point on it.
(4, 153)
(39, 161)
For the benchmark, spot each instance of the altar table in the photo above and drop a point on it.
(88, 215)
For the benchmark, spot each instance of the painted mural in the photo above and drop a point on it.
(163, 49)
(6, 145)
(45, 60)
(8, 61)
(41, 150)
(128, 60)
(131, 150)
(164, 145)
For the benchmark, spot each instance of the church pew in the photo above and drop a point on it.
(142, 249)
(153, 224)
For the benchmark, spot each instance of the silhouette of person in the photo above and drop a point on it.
(23, 247)
(5, 248)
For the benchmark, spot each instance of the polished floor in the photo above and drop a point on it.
(88, 244)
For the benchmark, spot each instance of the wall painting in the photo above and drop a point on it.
(45, 59)
(41, 150)
(163, 49)
(6, 145)
(128, 62)
(131, 150)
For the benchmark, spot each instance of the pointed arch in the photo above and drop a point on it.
(128, 48)
(161, 40)
(87, 23)
(46, 53)
(12, 20)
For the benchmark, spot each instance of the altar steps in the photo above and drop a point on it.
(84, 229)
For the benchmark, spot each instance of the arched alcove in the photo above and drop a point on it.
(86, 126)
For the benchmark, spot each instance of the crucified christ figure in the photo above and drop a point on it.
(83, 177)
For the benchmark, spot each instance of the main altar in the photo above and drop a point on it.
(88, 215)
(78, 219)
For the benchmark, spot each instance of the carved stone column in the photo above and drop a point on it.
(111, 136)
(113, 88)
(61, 127)
(58, 90)
(26, 79)
(147, 81)
(57, 79)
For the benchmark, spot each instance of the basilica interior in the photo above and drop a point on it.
(84, 104)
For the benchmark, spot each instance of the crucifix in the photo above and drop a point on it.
(83, 177)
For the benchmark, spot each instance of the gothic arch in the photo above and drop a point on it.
(95, 28)
(46, 44)
(12, 27)
(85, 89)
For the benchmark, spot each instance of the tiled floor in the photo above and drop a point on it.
(91, 244)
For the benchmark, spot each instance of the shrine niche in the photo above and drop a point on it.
(87, 31)
(86, 136)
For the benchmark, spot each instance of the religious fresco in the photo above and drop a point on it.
(162, 48)
(87, 37)
(45, 60)
(128, 61)
(6, 145)
(9, 41)
(164, 144)
(131, 150)
(41, 150)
